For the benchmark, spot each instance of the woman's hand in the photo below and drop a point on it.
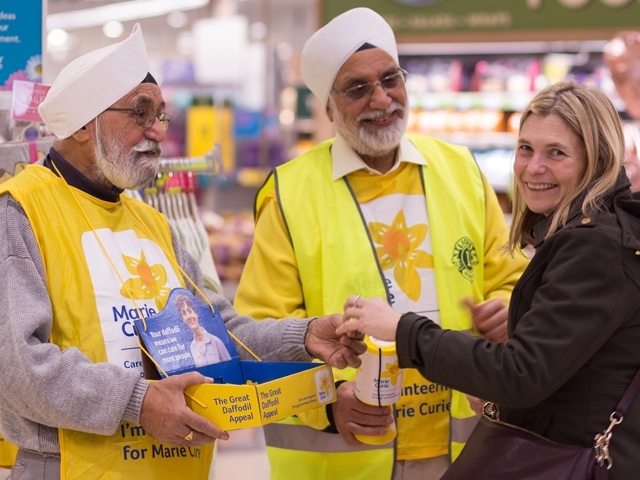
(372, 316)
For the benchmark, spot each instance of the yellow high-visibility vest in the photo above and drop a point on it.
(335, 259)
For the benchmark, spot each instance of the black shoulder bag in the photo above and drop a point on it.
(500, 451)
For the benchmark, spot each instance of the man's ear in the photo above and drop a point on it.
(82, 135)
(329, 114)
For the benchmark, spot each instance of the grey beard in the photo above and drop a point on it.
(366, 142)
(115, 167)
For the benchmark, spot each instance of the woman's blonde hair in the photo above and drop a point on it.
(589, 113)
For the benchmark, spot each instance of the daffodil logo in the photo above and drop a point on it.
(399, 250)
(465, 257)
(325, 386)
(148, 283)
(392, 373)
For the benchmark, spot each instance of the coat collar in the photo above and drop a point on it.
(624, 204)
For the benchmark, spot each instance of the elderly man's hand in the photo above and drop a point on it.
(338, 351)
(352, 417)
(490, 318)
(166, 417)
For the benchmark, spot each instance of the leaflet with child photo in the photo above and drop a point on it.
(186, 334)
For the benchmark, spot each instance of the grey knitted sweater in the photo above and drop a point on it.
(43, 388)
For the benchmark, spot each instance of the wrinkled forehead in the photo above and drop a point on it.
(143, 95)
(364, 66)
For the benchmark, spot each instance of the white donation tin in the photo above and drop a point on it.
(379, 380)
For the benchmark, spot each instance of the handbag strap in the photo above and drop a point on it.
(602, 440)
(627, 398)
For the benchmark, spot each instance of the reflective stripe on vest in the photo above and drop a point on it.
(300, 437)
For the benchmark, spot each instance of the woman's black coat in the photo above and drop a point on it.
(574, 327)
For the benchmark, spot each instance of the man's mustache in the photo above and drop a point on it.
(148, 146)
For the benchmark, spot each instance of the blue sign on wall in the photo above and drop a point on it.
(20, 41)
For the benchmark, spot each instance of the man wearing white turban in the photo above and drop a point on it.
(79, 261)
(378, 213)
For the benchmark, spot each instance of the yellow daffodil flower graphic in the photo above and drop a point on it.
(325, 386)
(391, 373)
(399, 249)
(148, 282)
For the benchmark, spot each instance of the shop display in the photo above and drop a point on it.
(230, 241)
(174, 196)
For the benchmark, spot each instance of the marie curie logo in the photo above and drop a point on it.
(324, 386)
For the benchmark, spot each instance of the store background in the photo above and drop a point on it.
(229, 71)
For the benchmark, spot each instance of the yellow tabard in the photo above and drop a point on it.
(7, 453)
(94, 311)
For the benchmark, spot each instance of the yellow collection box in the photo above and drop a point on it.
(188, 336)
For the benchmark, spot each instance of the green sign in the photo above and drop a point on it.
(437, 16)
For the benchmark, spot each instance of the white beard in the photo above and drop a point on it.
(373, 143)
(115, 167)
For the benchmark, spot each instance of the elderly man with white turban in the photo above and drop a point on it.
(79, 261)
(376, 212)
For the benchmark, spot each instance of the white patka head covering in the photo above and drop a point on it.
(326, 51)
(92, 83)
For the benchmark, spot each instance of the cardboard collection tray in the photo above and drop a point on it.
(245, 393)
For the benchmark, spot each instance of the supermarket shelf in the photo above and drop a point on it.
(483, 141)
(499, 48)
(505, 101)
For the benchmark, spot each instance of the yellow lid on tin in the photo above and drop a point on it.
(382, 347)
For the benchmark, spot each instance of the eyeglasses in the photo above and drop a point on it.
(145, 117)
(390, 83)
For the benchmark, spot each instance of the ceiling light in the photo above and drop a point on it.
(257, 31)
(122, 12)
(184, 43)
(57, 37)
(177, 19)
(284, 51)
(113, 29)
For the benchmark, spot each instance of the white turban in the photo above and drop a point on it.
(92, 83)
(326, 51)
